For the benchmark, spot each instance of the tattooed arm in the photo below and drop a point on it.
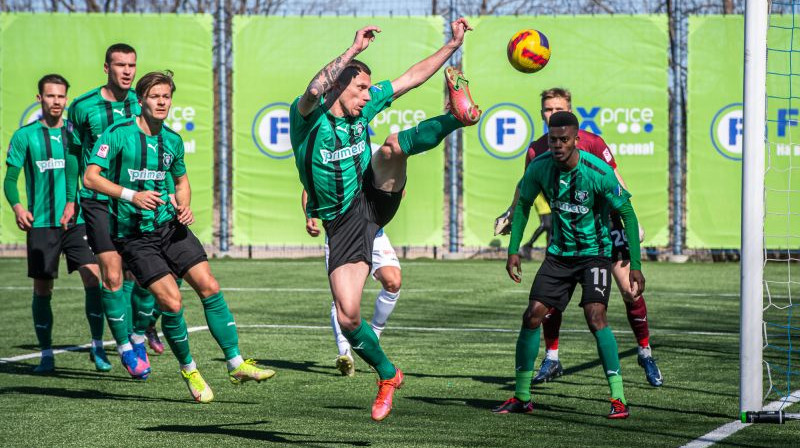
(324, 80)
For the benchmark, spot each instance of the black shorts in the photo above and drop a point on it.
(170, 249)
(95, 214)
(620, 251)
(351, 234)
(45, 245)
(557, 276)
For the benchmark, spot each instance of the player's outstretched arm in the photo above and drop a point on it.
(325, 79)
(423, 70)
(93, 180)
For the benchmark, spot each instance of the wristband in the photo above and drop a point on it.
(127, 194)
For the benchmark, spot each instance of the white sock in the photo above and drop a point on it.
(138, 338)
(341, 342)
(189, 367)
(124, 348)
(384, 305)
(645, 352)
(47, 352)
(552, 355)
(235, 362)
(97, 343)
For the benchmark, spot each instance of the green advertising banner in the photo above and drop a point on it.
(714, 129)
(616, 68)
(271, 68)
(74, 45)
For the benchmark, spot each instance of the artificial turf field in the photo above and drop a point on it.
(453, 333)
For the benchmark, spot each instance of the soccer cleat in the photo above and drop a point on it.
(198, 387)
(618, 409)
(346, 365)
(250, 371)
(461, 104)
(651, 370)
(46, 365)
(383, 402)
(154, 341)
(548, 371)
(141, 353)
(98, 356)
(135, 366)
(514, 406)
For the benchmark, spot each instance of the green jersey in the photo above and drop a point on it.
(140, 162)
(42, 153)
(92, 114)
(332, 153)
(580, 200)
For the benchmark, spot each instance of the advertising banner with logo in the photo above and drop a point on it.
(273, 66)
(616, 69)
(74, 46)
(714, 129)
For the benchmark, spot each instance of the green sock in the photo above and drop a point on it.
(428, 134)
(94, 312)
(43, 320)
(174, 327)
(221, 324)
(609, 357)
(143, 304)
(116, 314)
(127, 287)
(366, 345)
(527, 349)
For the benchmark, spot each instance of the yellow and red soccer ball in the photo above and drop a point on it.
(529, 51)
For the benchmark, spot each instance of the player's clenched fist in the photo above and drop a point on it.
(363, 37)
(637, 282)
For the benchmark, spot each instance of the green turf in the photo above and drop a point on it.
(453, 378)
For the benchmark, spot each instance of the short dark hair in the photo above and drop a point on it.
(563, 119)
(351, 70)
(152, 79)
(118, 48)
(52, 78)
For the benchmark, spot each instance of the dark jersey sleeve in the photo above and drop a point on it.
(595, 145)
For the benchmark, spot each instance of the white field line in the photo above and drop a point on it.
(729, 429)
(327, 327)
(326, 290)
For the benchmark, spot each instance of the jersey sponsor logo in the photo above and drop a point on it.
(569, 208)
(120, 112)
(145, 174)
(30, 114)
(102, 151)
(153, 147)
(505, 130)
(56, 138)
(344, 153)
(270, 131)
(50, 164)
(581, 196)
(727, 131)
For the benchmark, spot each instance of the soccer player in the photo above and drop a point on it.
(581, 188)
(385, 269)
(47, 151)
(555, 100)
(92, 113)
(130, 164)
(356, 193)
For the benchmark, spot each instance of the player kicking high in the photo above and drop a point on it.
(581, 188)
(555, 100)
(356, 193)
(385, 269)
(130, 163)
(48, 153)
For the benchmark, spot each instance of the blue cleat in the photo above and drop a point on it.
(651, 370)
(46, 365)
(98, 356)
(135, 366)
(141, 353)
(548, 371)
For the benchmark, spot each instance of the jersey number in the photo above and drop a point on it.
(597, 272)
(620, 239)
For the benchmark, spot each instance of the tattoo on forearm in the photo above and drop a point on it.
(325, 78)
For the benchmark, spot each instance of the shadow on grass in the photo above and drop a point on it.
(19, 368)
(229, 429)
(81, 394)
(302, 366)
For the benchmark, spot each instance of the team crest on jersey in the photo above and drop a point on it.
(167, 160)
(581, 196)
(102, 151)
(358, 129)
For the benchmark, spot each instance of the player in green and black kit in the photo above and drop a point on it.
(581, 190)
(130, 163)
(48, 152)
(356, 193)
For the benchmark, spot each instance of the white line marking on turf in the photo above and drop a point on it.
(729, 429)
(327, 327)
(256, 289)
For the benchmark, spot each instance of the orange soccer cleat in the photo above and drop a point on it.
(461, 104)
(383, 402)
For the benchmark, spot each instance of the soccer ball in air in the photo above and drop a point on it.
(529, 51)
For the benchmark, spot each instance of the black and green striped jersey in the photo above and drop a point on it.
(137, 161)
(42, 153)
(92, 114)
(580, 200)
(332, 153)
